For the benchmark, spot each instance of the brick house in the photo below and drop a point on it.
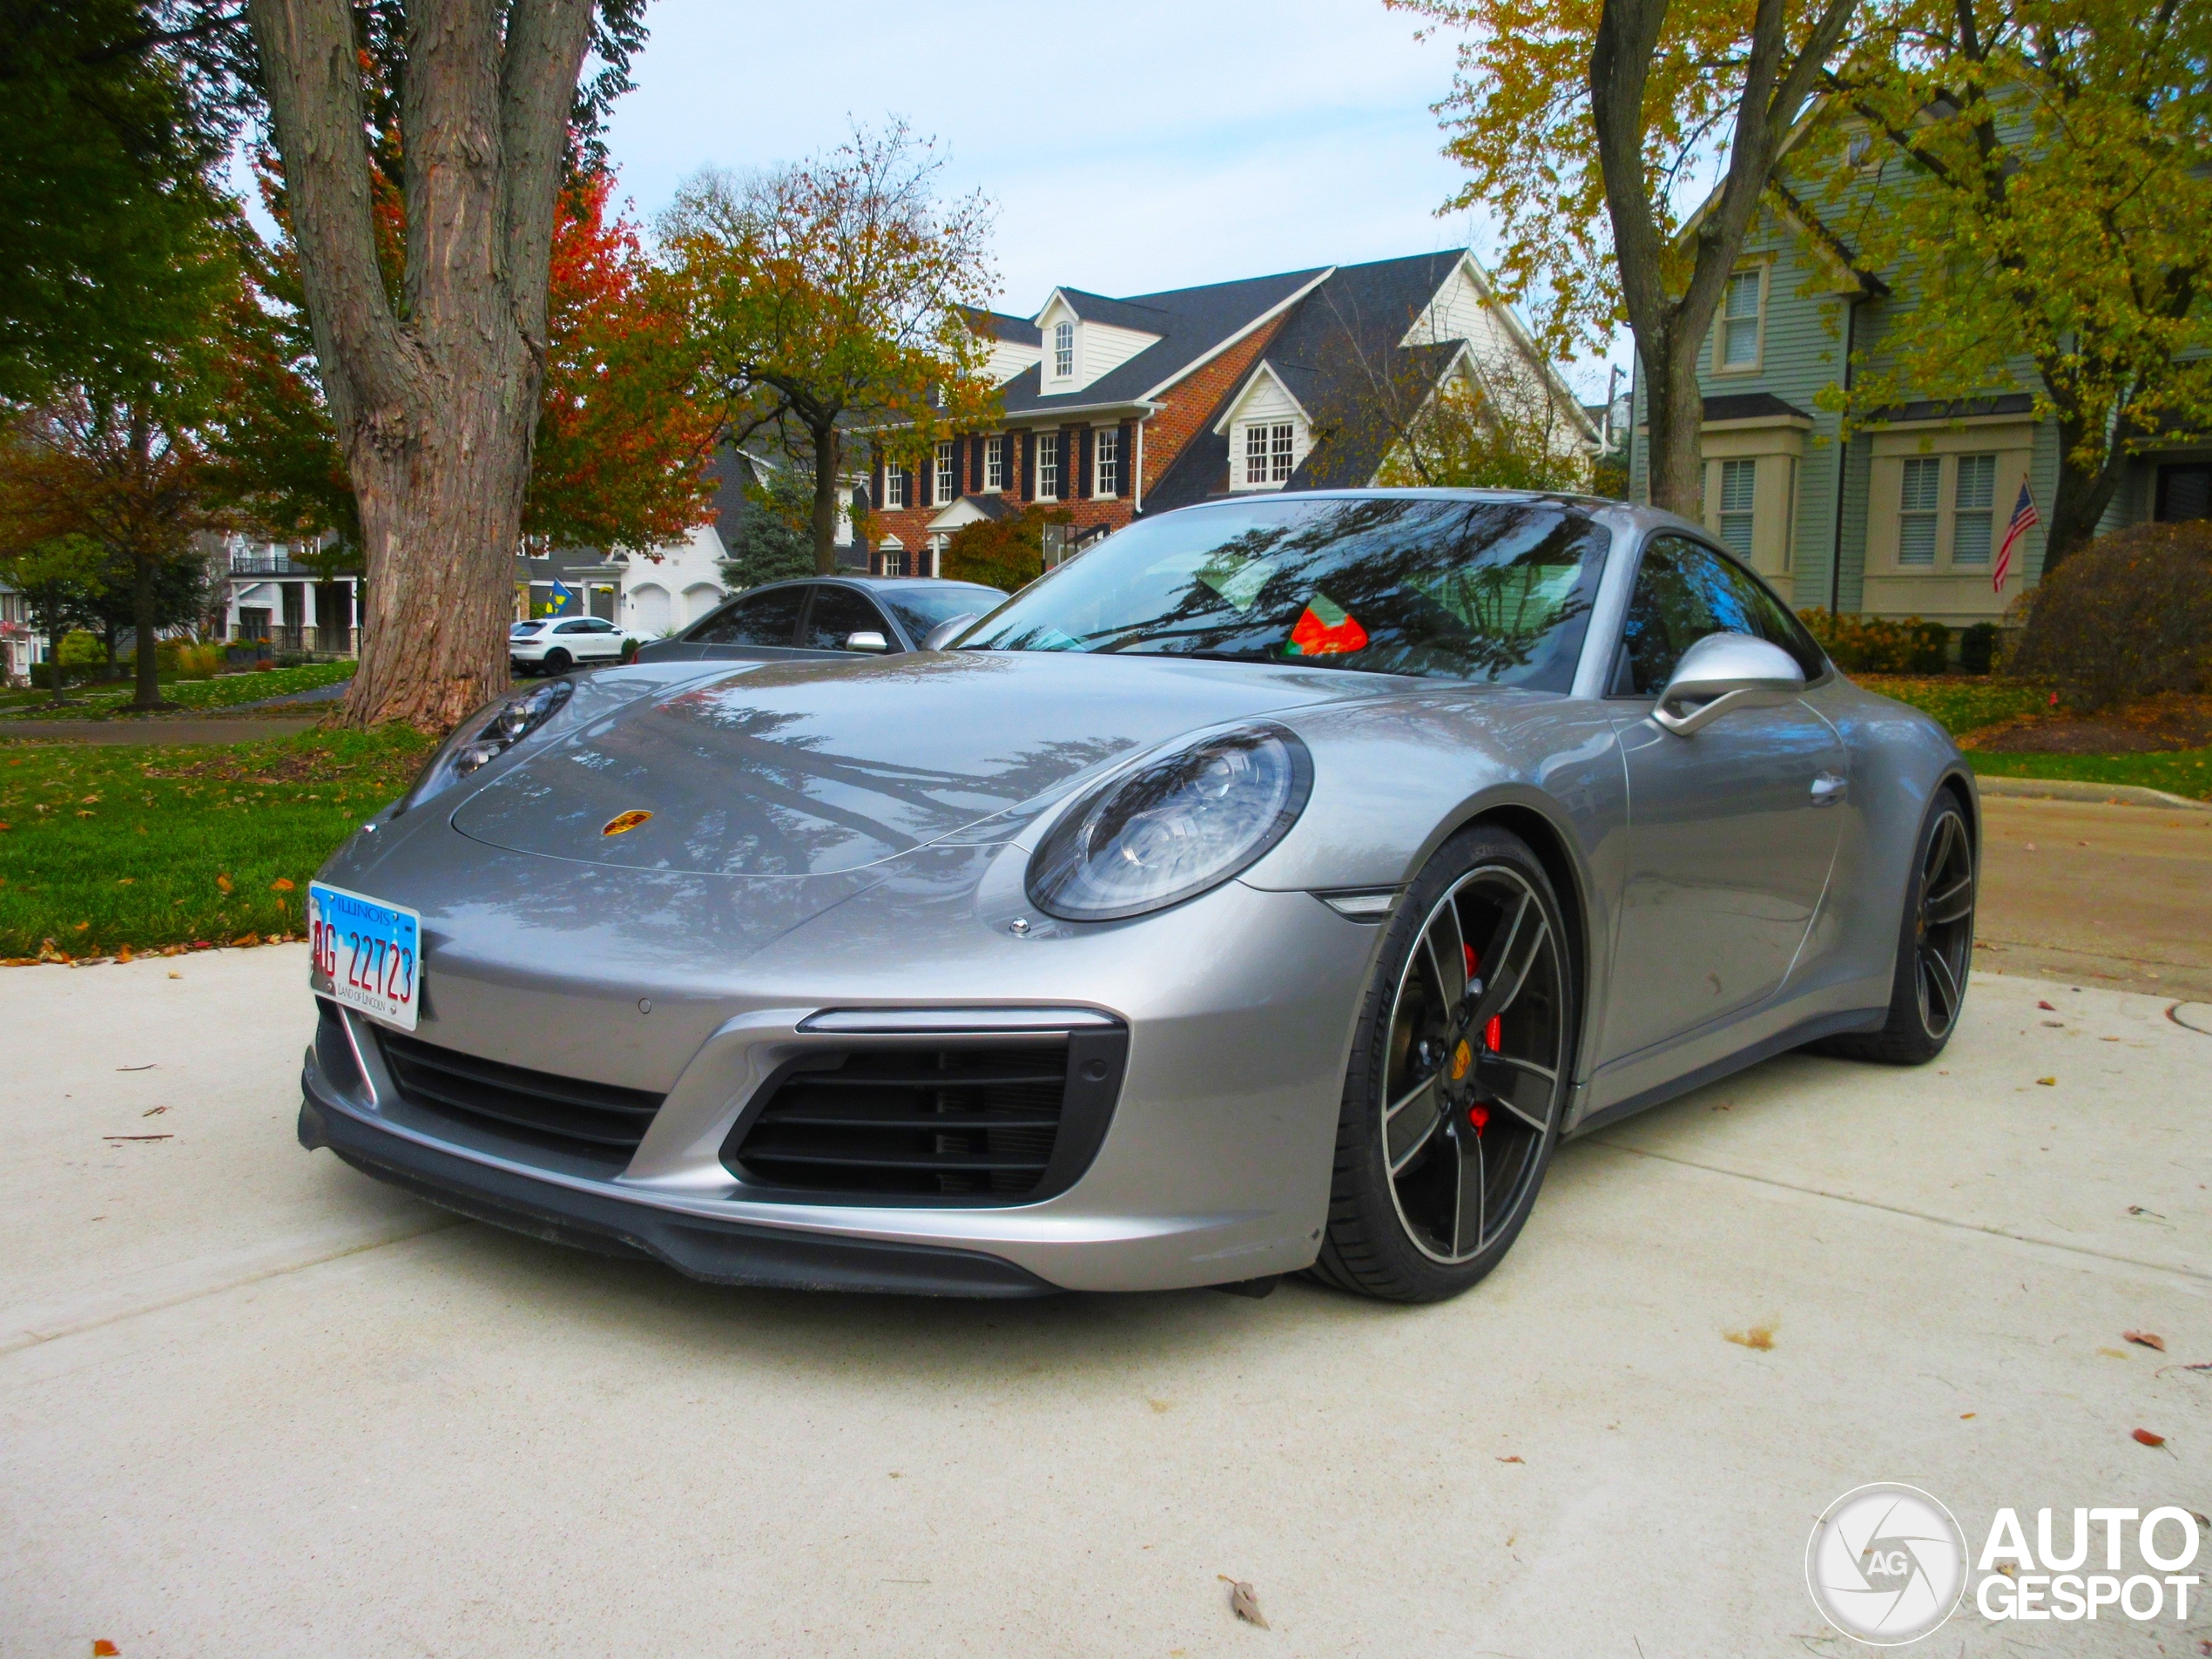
(1114, 409)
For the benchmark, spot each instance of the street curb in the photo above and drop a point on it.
(2069, 789)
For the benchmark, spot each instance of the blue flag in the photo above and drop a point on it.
(563, 597)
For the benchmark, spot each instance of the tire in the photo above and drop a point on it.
(1492, 1111)
(558, 661)
(1935, 946)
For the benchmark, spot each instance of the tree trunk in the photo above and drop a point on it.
(2079, 500)
(1675, 413)
(827, 459)
(435, 404)
(143, 571)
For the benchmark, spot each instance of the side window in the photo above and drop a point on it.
(770, 618)
(839, 612)
(1670, 611)
(599, 625)
(1684, 592)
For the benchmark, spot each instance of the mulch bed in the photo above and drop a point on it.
(2155, 725)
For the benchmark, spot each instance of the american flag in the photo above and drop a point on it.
(2025, 518)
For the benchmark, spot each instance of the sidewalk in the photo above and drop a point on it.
(253, 1404)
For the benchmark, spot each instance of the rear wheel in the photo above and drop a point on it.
(1935, 949)
(558, 661)
(1459, 1077)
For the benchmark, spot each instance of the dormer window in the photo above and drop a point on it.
(1064, 351)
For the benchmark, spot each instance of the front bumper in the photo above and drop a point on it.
(718, 1252)
(1215, 1167)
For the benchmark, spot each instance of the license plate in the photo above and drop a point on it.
(366, 954)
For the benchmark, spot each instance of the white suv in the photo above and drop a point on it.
(560, 643)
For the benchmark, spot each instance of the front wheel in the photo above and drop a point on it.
(1935, 949)
(558, 661)
(1459, 1077)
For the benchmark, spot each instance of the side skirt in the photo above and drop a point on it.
(1825, 1025)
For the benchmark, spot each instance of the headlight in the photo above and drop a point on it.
(1171, 828)
(488, 733)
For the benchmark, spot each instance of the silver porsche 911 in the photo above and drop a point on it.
(1270, 889)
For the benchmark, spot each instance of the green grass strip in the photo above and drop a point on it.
(2179, 771)
(224, 691)
(105, 846)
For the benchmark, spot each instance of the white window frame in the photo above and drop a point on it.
(995, 463)
(1917, 514)
(947, 481)
(1739, 505)
(1256, 456)
(1106, 464)
(1282, 451)
(1064, 350)
(1965, 515)
(1048, 461)
(894, 488)
(1723, 324)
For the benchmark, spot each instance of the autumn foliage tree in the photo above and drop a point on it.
(834, 294)
(620, 460)
(2038, 181)
(1586, 125)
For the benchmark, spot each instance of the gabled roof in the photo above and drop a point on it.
(1194, 324)
(1018, 331)
(1348, 460)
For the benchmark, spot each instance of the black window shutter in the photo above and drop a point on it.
(876, 496)
(1085, 439)
(959, 464)
(1125, 460)
(1029, 466)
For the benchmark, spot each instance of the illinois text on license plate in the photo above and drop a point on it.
(368, 955)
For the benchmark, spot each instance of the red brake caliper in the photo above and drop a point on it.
(1477, 1114)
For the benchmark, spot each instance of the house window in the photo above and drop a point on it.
(1106, 464)
(1048, 466)
(893, 559)
(1917, 506)
(1739, 482)
(1279, 452)
(995, 463)
(894, 487)
(1271, 453)
(1740, 320)
(1064, 351)
(935, 556)
(1255, 455)
(948, 485)
(1973, 495)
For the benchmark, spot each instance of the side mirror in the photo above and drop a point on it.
(868, 640)
(1725, 671)
(947, 630)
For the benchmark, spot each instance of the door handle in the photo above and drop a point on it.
(1829, 788)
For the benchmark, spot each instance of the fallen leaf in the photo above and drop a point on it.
(2047, 1008)
(1243, 1603)
(2144, 1436)
(103, 1649)
(153, 1111)
(2113, 1353)
(1512, 1460)
(1161, 1406)
(282, 884)
(149, 1066)
(224, 882)
(2048, 1082)
(1965, 1416)
(2137, 1209)
(127, 881)
(174, 974)
(2145, 1339)
(1759, 1335)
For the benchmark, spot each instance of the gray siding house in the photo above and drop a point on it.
(1905, 519)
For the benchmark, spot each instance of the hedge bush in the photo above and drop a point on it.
(1977, 648)
(1879, 646)
(2129, 615)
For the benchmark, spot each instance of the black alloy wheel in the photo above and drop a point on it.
(558, 661)
(1935, 949)
(1459, 1082)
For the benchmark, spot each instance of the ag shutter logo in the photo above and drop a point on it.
(1886, 1564)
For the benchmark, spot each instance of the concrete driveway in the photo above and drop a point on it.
(253, 1403)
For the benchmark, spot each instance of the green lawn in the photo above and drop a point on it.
(106, 847)
(2180, 772)
(1967, 704)
(224, 691)
(1962, 703)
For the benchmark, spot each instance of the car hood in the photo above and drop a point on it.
(798, 769)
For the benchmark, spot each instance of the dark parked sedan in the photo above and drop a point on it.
(827, 617)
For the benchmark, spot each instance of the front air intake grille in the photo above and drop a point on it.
(970, 1120)
(596, 1121)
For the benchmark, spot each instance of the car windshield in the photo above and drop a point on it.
(920, 609)
(521, 629)
(1493, 590)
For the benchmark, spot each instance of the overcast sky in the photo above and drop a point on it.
(1131, 147)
